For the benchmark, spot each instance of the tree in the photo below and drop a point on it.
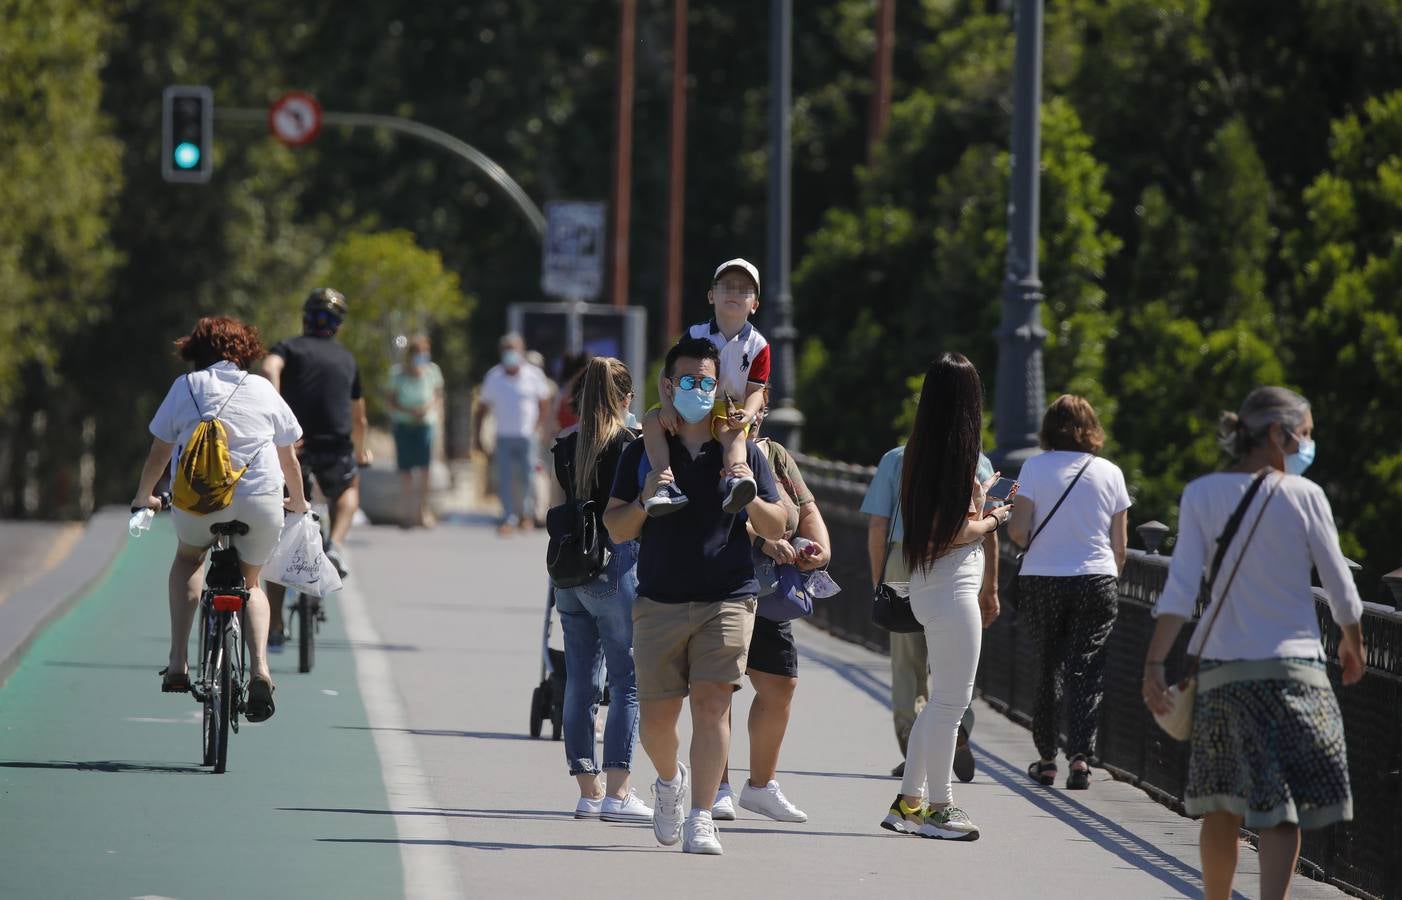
(56, 203)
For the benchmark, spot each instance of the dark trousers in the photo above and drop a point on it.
(1070, 619)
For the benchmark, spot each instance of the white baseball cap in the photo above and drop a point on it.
(738, 263)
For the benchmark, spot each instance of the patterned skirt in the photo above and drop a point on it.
(1268, 745)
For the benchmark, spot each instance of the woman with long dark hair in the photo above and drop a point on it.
(597, 617)
(942, 505)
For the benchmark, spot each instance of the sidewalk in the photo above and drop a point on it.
(462, 639)
(401, 765)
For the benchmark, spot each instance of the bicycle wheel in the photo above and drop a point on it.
(209, 661)
(222, 696)
(306, 633)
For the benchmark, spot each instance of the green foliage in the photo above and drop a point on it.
(395, 289)
(1221, 193)
(61, 178)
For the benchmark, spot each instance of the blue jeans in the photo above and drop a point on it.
(597, 619)
(515, 465)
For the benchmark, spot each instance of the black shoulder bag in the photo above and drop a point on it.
(578, 550)
(890, 605)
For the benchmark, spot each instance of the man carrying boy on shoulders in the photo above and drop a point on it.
(695, 609)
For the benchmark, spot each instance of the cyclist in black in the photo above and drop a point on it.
(319, 379)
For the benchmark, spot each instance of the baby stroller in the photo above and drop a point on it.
(548, 699)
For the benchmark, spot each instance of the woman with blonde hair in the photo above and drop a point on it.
(1267, 737)
(597, 617)
(1069, 581)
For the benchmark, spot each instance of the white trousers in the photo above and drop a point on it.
(944, 600)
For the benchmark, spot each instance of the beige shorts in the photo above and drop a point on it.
(676, 645)
(262, 513)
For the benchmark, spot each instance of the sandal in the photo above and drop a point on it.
(259, 707)
(1044, 773)
(174, 684)
(1078, 779)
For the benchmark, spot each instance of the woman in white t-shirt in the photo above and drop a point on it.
(1068, 586)
(260, 431)
(1267, 745)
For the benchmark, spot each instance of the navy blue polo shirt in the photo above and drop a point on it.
(700, 553)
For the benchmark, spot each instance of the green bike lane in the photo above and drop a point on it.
(101, 794)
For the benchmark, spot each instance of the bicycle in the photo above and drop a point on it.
(223, 673)
(310, 615)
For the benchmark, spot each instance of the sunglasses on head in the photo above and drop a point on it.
(689, 383)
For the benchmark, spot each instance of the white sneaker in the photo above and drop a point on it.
(669, 800)
(588, 809)
(723, 810)
(770, 801)
(629, 809)
(699, 836)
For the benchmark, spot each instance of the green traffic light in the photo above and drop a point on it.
(186, 155)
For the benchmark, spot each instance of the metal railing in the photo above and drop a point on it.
(1363, 856)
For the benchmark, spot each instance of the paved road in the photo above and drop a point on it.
(401, 766)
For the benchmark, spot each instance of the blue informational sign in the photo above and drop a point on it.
(572, 267)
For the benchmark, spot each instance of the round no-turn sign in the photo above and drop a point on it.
(295, 118)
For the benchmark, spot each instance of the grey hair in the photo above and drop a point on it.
(1238, 432)
(511, 339)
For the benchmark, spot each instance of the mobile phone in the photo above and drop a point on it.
(1003, 489)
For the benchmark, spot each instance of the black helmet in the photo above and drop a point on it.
(326, 300)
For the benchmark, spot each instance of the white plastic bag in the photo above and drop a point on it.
(299, 562)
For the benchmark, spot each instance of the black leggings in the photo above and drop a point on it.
(1070, 618)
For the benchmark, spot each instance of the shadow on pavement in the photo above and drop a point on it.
(333, 644)
(543, 814)
(497, 845)
(1110, 835)
(76, 664)
(444, 732)
(109, 765)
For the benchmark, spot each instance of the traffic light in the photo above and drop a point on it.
(187, 133)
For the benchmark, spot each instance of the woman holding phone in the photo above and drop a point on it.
(1069, 581)
(942, 506)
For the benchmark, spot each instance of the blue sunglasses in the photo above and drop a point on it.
(689, 382)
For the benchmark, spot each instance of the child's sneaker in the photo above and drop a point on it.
(902, 819)
(739, 493)
(668, 499)
(949, 824)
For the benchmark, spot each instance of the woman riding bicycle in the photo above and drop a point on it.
(260, 431)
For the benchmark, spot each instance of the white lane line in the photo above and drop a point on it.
(424, 849)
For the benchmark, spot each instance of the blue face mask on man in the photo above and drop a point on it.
(512, 359)
(1296, 463)
(420, 360)
(695, 404)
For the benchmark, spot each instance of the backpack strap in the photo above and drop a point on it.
(231, 395)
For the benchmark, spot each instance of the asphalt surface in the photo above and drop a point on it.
(401, 765)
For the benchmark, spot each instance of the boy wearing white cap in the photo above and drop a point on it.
(741, 382)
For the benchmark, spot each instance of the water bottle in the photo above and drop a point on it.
(140, 522)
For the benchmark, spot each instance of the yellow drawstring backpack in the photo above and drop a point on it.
(204, 476)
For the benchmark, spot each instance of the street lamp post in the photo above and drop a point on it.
(785, 422)
(1021, 392)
